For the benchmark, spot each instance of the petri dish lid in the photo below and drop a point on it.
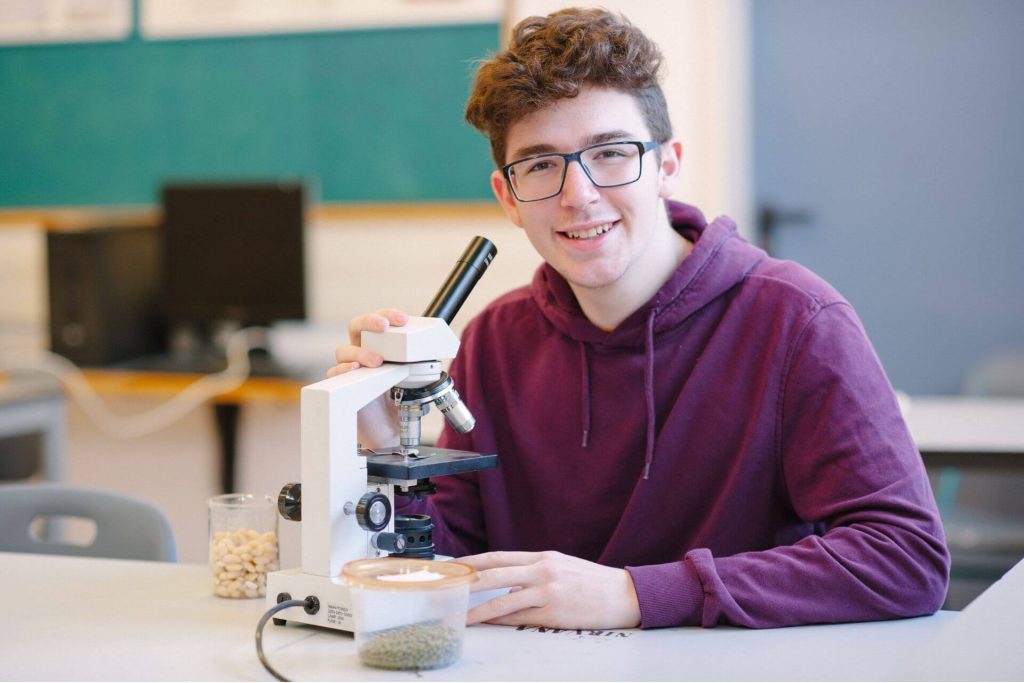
(389, 573)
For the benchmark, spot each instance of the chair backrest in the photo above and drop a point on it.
(125, 527)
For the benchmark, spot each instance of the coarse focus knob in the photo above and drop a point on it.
(289, 502)
(373, 511)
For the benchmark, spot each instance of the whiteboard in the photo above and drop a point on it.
(64, 21)
(202, 18)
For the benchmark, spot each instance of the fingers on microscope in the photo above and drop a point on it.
(341, 368)
(394, 316)
(348, 358)
(378, 321)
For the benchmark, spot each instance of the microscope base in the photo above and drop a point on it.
(335, 604)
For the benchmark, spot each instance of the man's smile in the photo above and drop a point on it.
(588, 233)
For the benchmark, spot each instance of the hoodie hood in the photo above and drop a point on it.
(692, 285)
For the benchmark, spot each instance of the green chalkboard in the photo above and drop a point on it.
(373, 115)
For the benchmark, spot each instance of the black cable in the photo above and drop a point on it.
(263, 622)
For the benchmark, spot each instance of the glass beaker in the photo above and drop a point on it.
(243, 544)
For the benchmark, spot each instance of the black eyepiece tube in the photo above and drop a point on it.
(461, 281)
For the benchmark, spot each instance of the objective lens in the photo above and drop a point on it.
(409, 425)
(455, 411)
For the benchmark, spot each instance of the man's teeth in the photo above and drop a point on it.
(591, 233)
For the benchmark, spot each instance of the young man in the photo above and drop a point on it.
(689, 432)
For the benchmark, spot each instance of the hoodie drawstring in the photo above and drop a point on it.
(585, 397)
(649, 392)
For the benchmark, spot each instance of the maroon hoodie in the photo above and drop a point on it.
(734, 444)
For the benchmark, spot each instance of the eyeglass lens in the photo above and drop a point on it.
(607, 165)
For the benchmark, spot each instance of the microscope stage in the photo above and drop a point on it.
(430, 462)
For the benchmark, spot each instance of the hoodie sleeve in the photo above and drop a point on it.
(850, 467)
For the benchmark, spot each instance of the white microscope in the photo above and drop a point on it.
(346, 499)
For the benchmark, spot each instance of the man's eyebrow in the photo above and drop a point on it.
(609, 136)
(531, 150)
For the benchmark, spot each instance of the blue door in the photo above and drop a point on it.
(889, 153)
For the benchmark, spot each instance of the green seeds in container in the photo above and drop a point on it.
(427, 645)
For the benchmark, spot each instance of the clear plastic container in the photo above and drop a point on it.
(243, 544)
(409, 614)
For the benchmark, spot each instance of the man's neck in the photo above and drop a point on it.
(607, 307)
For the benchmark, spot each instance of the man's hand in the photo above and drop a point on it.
(554, 590)
(377, 422)
(350, 356)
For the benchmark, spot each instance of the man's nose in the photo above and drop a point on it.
(578, 190)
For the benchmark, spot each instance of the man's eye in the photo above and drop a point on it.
(611, 153)
(540, 165)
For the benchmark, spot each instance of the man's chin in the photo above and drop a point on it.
(591, 280)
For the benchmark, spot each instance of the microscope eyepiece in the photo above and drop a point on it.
(461, 280)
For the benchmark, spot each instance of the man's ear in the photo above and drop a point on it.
(505, 197)
(671, 166)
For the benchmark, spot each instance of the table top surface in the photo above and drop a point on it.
(984, 642)
(90, 619)
(967, 424)
(143, 383)
(149, 384)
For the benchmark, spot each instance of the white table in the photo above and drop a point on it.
(960, 430)
(985, 642)
(955, 433)
(86, 619)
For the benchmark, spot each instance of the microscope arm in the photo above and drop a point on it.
(333, 472)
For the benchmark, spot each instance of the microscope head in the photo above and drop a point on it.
(421, 339)
(429, 336)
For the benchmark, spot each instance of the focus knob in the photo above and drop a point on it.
(373, 511)
(289, 502)
(389, 542)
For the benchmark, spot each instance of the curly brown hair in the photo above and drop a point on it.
(553, 57)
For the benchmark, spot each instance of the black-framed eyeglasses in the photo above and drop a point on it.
(609, 164)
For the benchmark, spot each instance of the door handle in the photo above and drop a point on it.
(770, 218)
